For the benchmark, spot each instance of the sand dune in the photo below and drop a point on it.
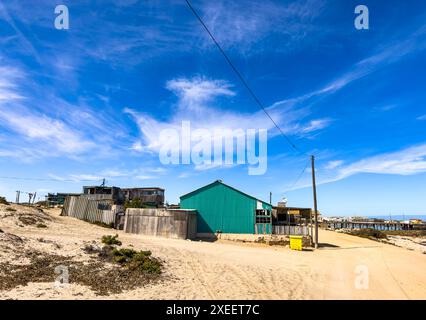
(227, 270)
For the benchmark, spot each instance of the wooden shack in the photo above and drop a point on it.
(172, 223)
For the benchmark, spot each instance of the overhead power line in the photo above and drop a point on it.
(299, 176)
(47, 179)
(244, 82)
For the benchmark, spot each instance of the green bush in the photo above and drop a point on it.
(41, 225)
(102, 224)
(134, 203)
(142, 261)
(10, 209)
(123, 256)
(407, 233)
(111, 240)
(146, 264)
(134, 260)
(42, 203)
(369, 233)
(137, 260)
(4, 201)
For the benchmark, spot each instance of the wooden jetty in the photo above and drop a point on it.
(387, 225)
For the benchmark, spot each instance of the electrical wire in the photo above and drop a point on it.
(244, 82)
(46, 179)
(299, 176)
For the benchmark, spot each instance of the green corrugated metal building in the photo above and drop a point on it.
(222, 208)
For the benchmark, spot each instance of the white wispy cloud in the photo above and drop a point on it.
(145, 177)
(113, 174)
(193, 93)
(150, 30)
(387, 107)
(32, 126)
(317, 124)
(404, 162)
(75, 178)
(411, 160)
(147, 29)
(423, 117)
(333, 164)
(85, 177)
(8, 88)
(42, 128)
(242, 26)
(204, 166)
(196, 103)
(44, 125)
(383, 56)
(25, 45)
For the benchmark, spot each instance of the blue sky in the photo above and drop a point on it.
(87, 103)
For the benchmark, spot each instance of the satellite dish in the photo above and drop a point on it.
(283, 202)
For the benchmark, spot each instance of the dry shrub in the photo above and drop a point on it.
(111, 240)
(4, 201)
(369, 233)
(101, 277)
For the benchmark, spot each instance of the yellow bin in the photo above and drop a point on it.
(296, 242)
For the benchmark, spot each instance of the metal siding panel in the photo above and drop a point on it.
(84, 209)
(221, 208)
(108, 216)
(66, 206)
(78, 207)
(71, 207)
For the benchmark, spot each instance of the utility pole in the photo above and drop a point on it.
(17, 196)
(314, 189)
(270, 198)
(312, 228)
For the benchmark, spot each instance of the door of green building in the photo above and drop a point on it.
(263, 222)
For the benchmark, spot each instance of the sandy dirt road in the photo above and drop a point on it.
(229, 270)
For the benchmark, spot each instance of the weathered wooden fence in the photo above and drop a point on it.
(290, 230)
(181, 224)
(87, 209)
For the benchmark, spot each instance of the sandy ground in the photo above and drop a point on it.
(410, 243)
(229, 270)
(414, 243)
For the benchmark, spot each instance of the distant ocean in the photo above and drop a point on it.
(400, 217)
